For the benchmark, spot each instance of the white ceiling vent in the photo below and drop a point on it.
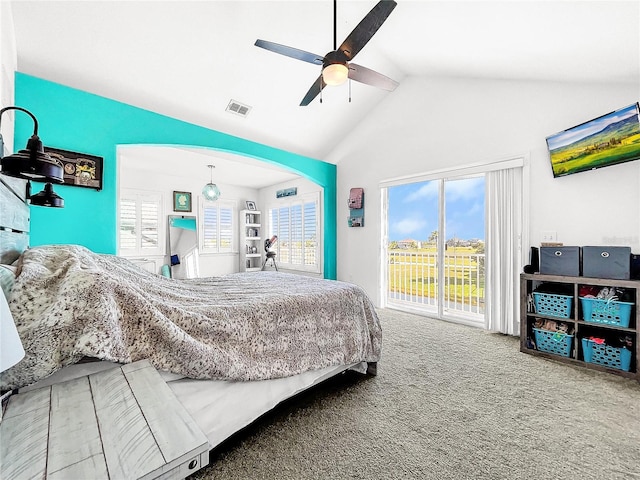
(238, 108)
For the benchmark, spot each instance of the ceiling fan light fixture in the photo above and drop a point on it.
(210, 191)
(335, 74)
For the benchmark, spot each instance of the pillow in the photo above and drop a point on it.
(7, 278)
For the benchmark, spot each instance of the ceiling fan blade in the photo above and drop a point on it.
(290, 52)
(367, 27)
(370, 77)
(313, 91)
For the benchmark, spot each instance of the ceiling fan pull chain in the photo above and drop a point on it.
(320, 80)
(349, 90)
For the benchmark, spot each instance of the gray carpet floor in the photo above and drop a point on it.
(449, 402)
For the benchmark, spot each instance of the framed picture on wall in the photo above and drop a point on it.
(181, 201)
(80, 169)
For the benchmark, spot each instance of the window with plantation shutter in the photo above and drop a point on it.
(297, 246)
(209, 227)
(149, 221)
(128, 239)
(310, 234)
(217, 227)
(295, 222)
(140, 223)
(226, 229)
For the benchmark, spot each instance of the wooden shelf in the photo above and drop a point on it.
(582, 328)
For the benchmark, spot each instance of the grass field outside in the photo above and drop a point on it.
(414, 273)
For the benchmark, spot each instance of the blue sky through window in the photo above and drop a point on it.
(413, 209)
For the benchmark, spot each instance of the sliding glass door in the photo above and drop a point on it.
(435, 247)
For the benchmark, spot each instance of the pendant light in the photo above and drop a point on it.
(47, 198)
(211, 191)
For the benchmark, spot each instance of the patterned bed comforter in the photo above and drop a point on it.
(69, 302)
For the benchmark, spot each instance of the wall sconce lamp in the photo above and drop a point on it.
(33, 163)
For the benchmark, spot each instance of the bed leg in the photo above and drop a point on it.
(372, 368)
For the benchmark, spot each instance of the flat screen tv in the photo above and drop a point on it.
(607, 140)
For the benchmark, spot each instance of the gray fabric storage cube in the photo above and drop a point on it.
(560, 261)
(606, 262)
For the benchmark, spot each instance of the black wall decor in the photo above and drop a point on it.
(80, 169)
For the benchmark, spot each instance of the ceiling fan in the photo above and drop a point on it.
(336, 65)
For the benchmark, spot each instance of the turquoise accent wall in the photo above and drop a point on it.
(71, 119)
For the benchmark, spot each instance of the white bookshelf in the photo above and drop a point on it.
(251, 237)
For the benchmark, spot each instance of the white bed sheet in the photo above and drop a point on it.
(219, 407)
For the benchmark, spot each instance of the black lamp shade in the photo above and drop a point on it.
(33, 163)
(47, 198)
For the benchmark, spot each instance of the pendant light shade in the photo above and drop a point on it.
(211, 191)
(47, 198)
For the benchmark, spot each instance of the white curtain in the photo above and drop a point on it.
(504, 219)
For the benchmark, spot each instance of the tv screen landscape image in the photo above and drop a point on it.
(607, 140)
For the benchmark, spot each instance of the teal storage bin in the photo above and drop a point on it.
(608, 312)
(602, 354)
(552, 304)
(557, 343)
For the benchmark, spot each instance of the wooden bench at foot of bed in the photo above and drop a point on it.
(124, 422)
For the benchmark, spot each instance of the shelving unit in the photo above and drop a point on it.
(581, 328)
(250, 240)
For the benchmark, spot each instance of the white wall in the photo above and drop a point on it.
(8, 66)
(130, 177)
(432, 124)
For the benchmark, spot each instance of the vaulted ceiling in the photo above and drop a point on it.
(189, 59)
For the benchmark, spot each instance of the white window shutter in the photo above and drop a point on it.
(218, 227)
(296, 225)
(140, 224)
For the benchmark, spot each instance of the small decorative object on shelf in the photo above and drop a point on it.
(592, 322)
(251, 205)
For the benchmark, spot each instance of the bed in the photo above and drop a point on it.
(230, 348)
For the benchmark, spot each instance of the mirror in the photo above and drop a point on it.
(183, 247)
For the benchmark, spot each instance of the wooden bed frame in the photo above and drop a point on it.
(204, 405)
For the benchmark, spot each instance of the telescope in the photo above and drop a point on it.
(268, 243)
